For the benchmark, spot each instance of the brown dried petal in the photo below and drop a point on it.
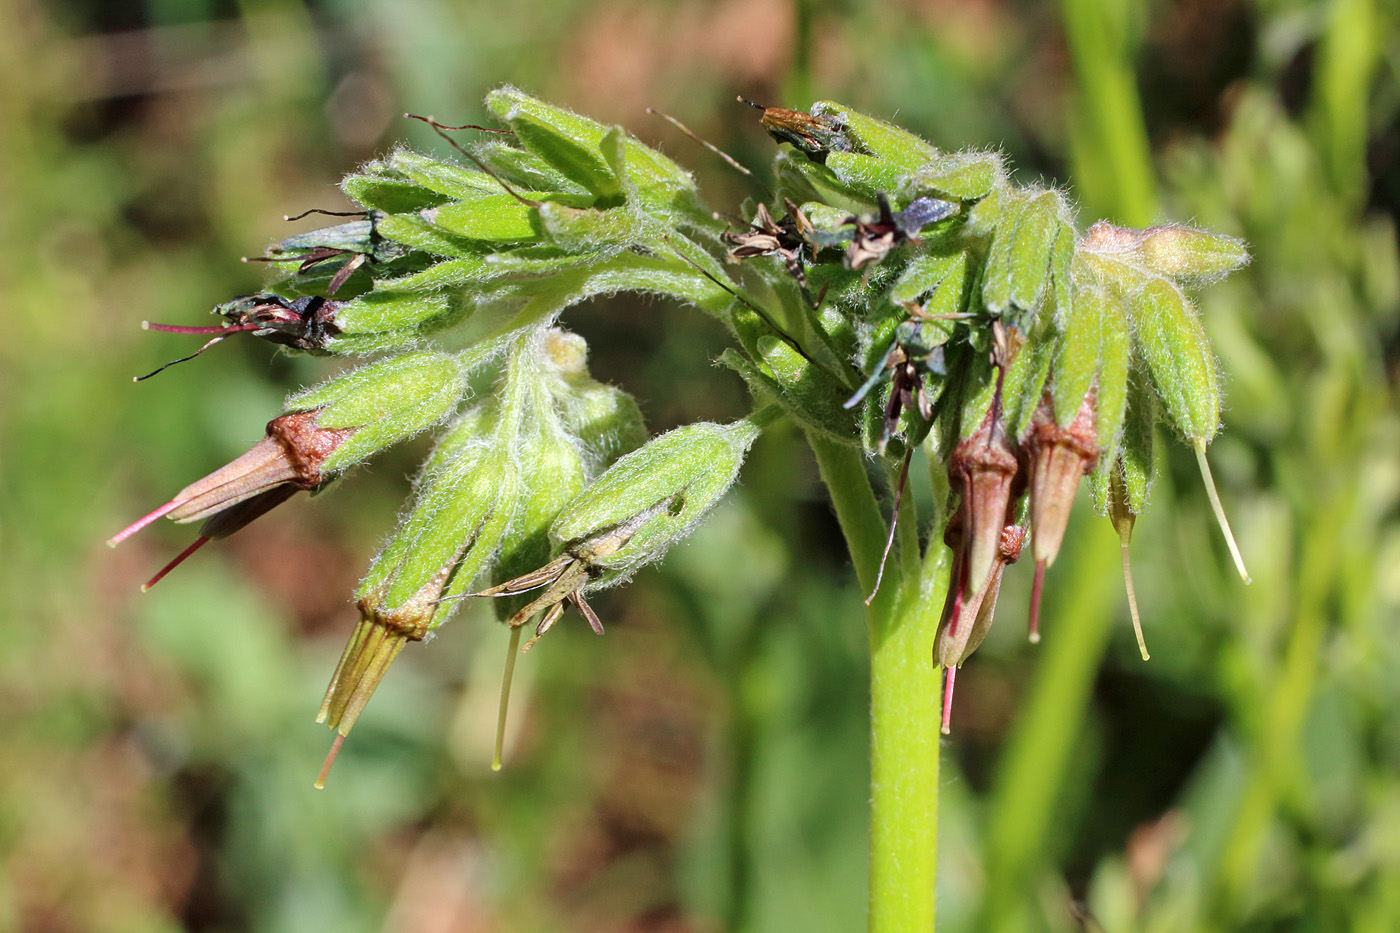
(291, 453)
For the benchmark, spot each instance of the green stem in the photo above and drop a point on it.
(904, 698)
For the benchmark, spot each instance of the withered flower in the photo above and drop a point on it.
(288, 459)
(1059, 457)
(301, 323)
(767, 237)
(967, 615)
(984, 469)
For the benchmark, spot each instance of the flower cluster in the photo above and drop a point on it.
(889, 296)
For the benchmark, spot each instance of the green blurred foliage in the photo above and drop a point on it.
(703, 766)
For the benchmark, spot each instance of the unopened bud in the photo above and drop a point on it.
(964, 176)
(1194, 256)
(659, 492)
(1178, 356)
(385, 402)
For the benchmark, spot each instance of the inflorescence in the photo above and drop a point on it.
(887, 295)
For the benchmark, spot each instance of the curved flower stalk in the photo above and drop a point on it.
(889, 297)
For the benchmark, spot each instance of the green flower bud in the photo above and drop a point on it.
(1019, 264)
(605, 420)
(905, 151)
(379, 187)
(573, 145)
(389, 318)
(492, 218)
(454, 182)
(659, 493)
(466, 501)
(1178, 357)
(385, 402)
(970, 175)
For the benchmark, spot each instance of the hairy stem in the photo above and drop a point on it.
(903, 697)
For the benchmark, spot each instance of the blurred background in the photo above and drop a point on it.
(703, 767)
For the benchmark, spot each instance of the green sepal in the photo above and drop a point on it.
(904, 150)
(996, 281)
(555, 475)
(1178, 356)
(1024, 386)
(961, 176)
(387, 318)
(1195, 257)
(386, 402)
(1037, 230)
(411, 229)
(659, 492)
(930, 272)
(377, 187)
(464, 503)
(1076, 363)
(807, 393)
(448, 273)
(864, 176)
(455, 182)
(495, 218)
(576, 227)
(1132, 465)
(1062, 274)
(1115, 358)
(573, 145)
(522, 168)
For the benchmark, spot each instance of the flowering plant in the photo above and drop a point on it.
(887, 297)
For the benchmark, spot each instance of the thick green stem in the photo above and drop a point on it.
(904, 698)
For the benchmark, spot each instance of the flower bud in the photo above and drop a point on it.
(1018, 266)
(885, 141)
(574, 145)
(1193, 257)
(962, 176)
(659, 493)
(385, 402)
(465, 503)
(1178, 357)
(389, 318)
(605, 420)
